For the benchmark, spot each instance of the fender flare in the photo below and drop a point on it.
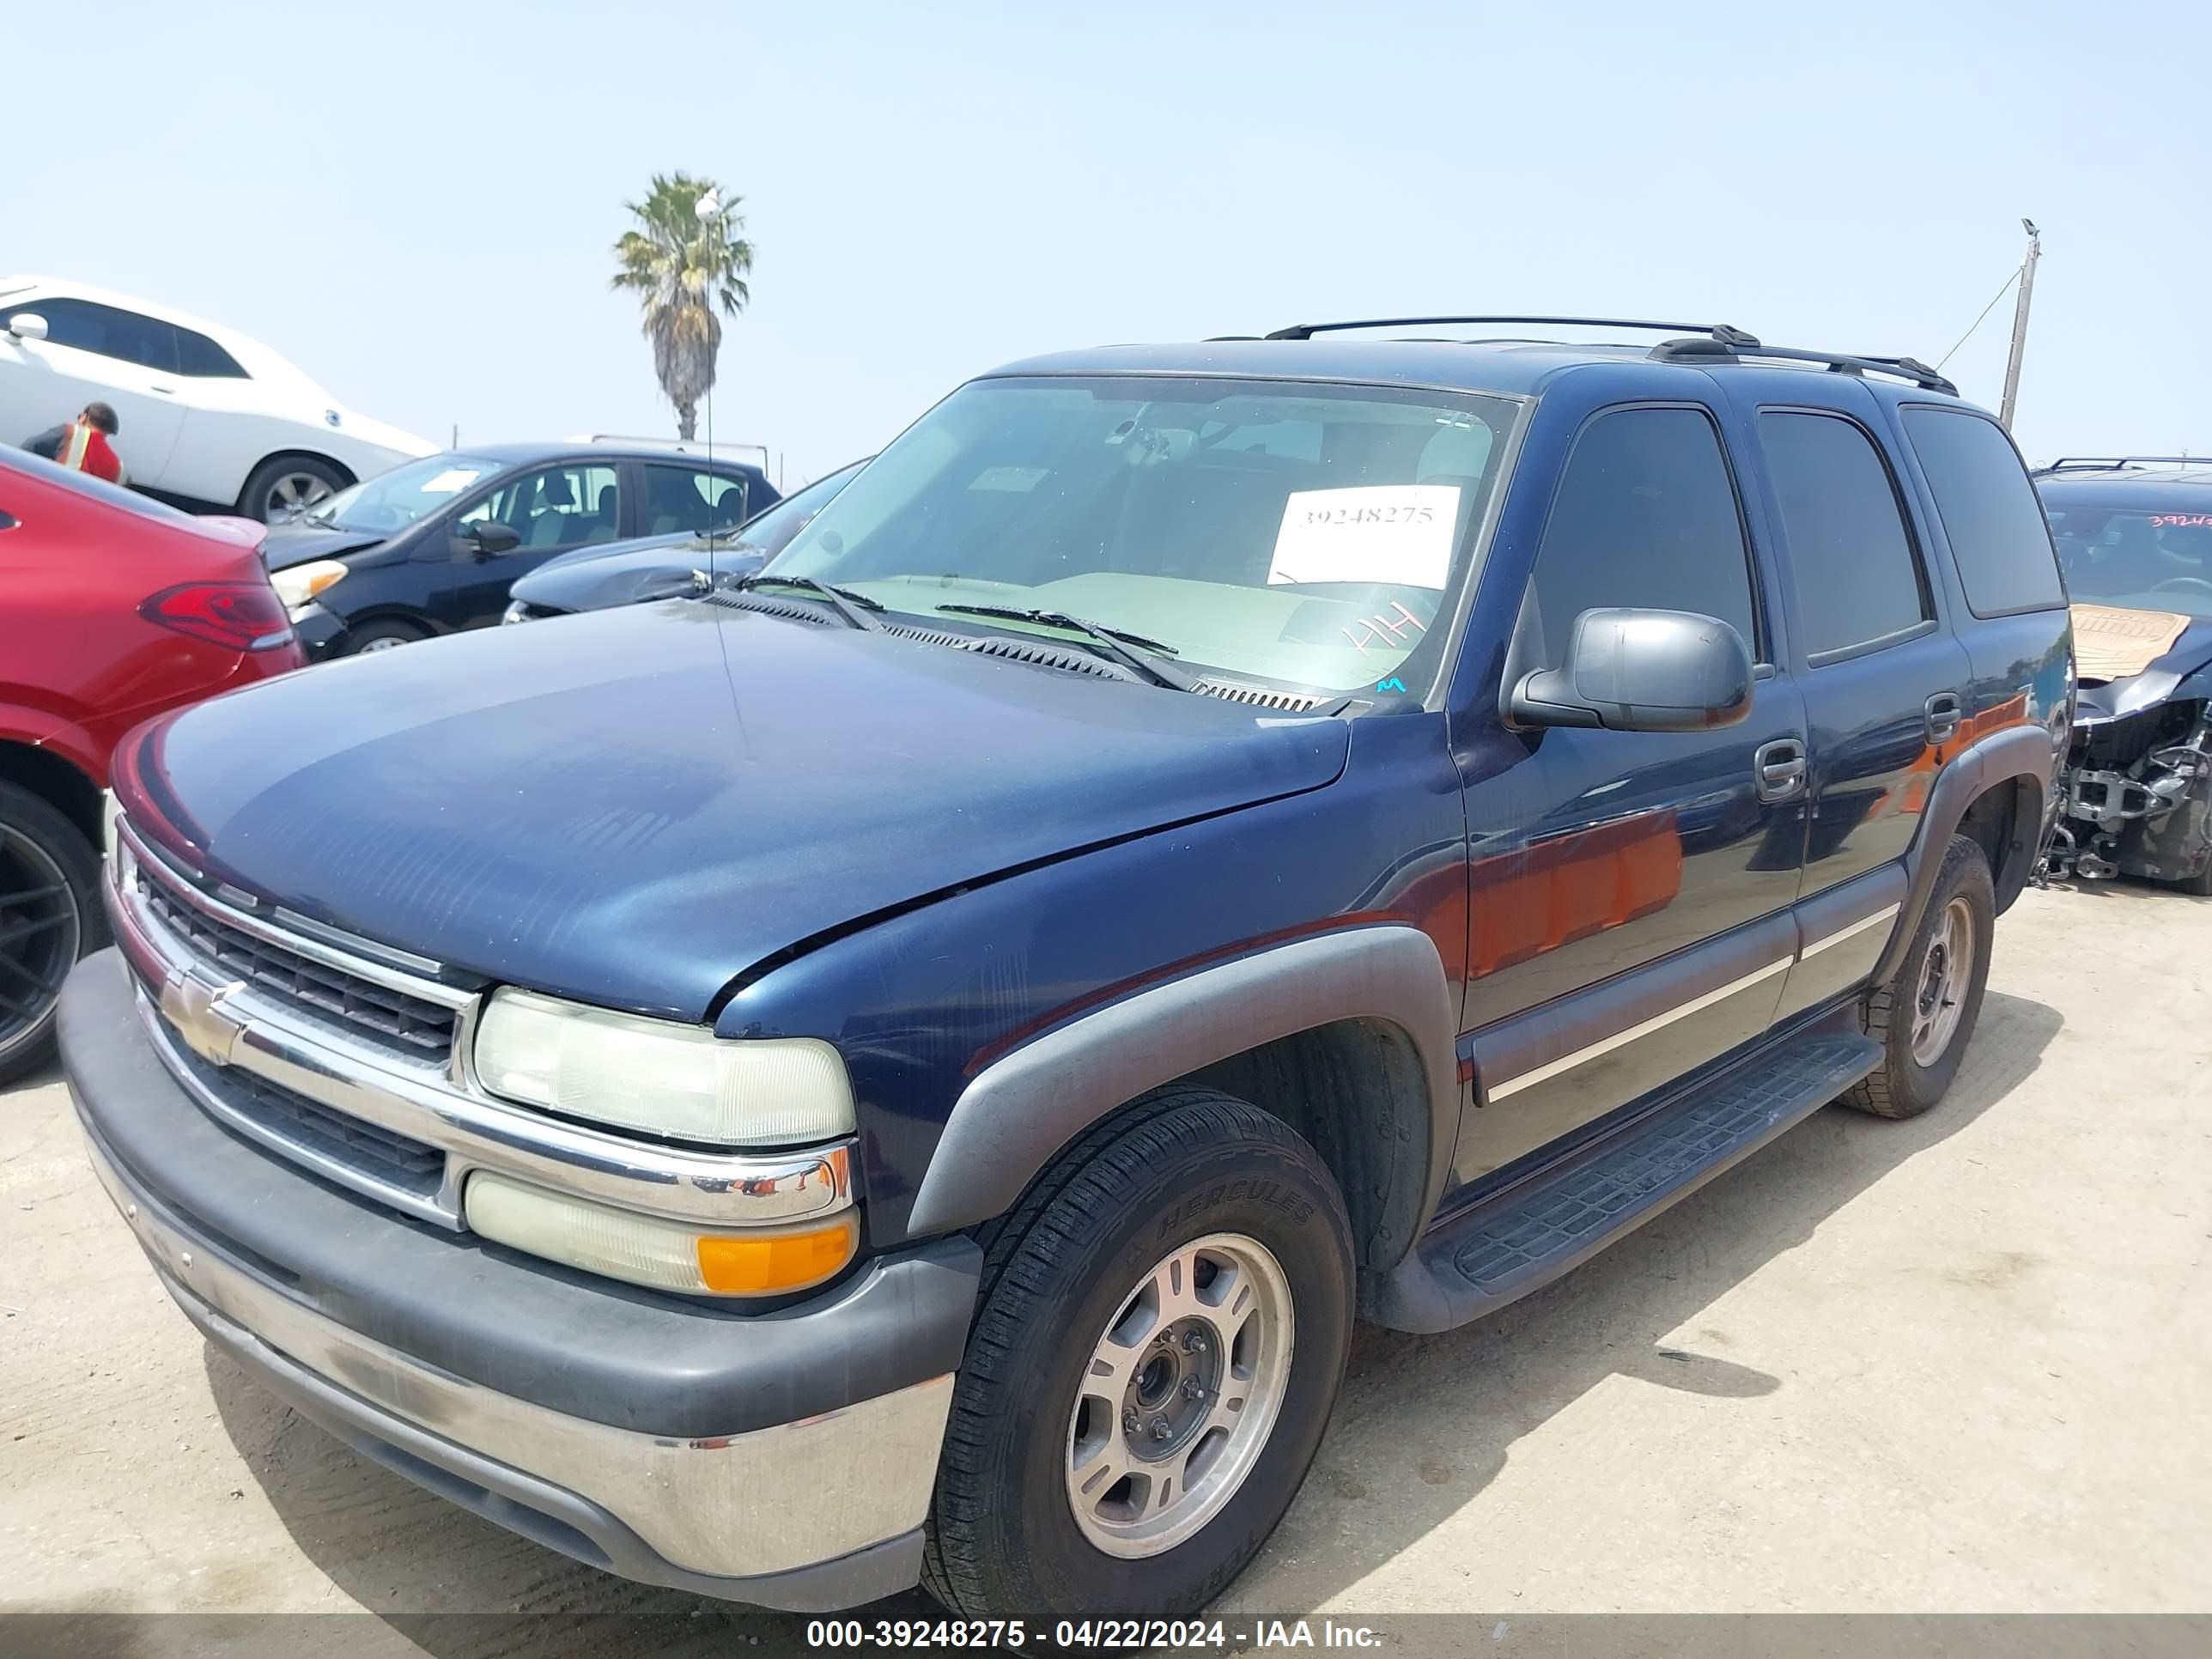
(28, 727)
(2020, 752)
(1025, 1108)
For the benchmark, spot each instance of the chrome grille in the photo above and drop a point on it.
(392, 1020)
(381, 1154)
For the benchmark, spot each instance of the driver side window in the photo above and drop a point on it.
(1646, 517)
(567, 506)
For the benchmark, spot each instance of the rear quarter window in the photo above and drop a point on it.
(1991, 516)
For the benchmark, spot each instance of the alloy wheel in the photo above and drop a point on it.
(40, 934)
(1946, 970)
(294, 492)
(1182, 1391)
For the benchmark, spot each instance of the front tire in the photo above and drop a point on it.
(1162, 1331)
(1924, 1016)
(385, 635)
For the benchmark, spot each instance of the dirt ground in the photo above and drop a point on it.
(1959, 1364)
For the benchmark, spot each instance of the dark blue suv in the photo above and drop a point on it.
(909, 1068)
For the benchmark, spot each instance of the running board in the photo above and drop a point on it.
(1475, 1262)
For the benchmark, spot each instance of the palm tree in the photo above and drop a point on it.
(684, 261)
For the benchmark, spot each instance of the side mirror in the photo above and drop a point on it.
(491, 537)
(1641, 670)
(28, 326)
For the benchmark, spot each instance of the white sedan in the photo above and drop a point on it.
(206, 417)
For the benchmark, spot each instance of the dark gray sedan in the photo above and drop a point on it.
(665, 567)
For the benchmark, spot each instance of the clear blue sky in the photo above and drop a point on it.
(416, 201)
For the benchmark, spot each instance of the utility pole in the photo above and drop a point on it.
(2020, 324)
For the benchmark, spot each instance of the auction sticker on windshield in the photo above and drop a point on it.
(450, 482)
(1398, 533)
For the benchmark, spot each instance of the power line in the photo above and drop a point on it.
(1978, 321)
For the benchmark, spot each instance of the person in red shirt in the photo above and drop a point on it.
(82, 444)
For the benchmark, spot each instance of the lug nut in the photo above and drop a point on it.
(1159, 1430)
(1194, 1342)
(1190, 1389)
(1129, 1420)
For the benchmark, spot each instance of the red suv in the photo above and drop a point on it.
(112, 609)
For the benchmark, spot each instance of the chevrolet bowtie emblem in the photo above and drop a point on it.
(193, 1007)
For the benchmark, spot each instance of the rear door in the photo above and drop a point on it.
(683, 499)
(1885, 683)
(1629, 890)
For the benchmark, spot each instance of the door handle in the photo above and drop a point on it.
(1779, 768)
(166, 390)
(1943, 711)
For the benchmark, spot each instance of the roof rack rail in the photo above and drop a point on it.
(2116, 463)
(754, 453)
(1717, 331)
(1707, 350)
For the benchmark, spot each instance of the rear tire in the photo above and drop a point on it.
(1184, 1264)
(285, 484)
(49, 915)
(1924, 1016)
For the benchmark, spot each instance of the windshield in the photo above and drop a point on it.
(2136, 559)
(1308, 535)
(392, 501)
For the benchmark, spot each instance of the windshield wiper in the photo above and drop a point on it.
(1147, 656)
(851, 606)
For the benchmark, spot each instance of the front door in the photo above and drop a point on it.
(1630, 891)
(551, 509)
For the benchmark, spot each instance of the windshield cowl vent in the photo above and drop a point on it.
(928, 635)
(1048, 656)
(815, 614)
(1042, 653)
(1259, 697)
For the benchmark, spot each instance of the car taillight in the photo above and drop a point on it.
(244, 616)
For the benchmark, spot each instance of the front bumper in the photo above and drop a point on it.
(784, 1459)
(318, 630)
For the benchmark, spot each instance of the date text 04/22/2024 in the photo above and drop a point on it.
(1215, 1635)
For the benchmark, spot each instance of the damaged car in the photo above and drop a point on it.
(2134, 534)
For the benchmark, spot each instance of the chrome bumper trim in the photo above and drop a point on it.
(733, 1506)
(228, 1023)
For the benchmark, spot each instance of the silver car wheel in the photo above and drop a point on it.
(1182, 1392)
(1946, 970)
(294, 492)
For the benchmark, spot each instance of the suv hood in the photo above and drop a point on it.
(2177, 669)
(302, 543)
(635, 806)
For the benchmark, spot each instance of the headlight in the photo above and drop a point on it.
(300, 584)
(669, 1256)
(657, 1075)
(111, 814)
